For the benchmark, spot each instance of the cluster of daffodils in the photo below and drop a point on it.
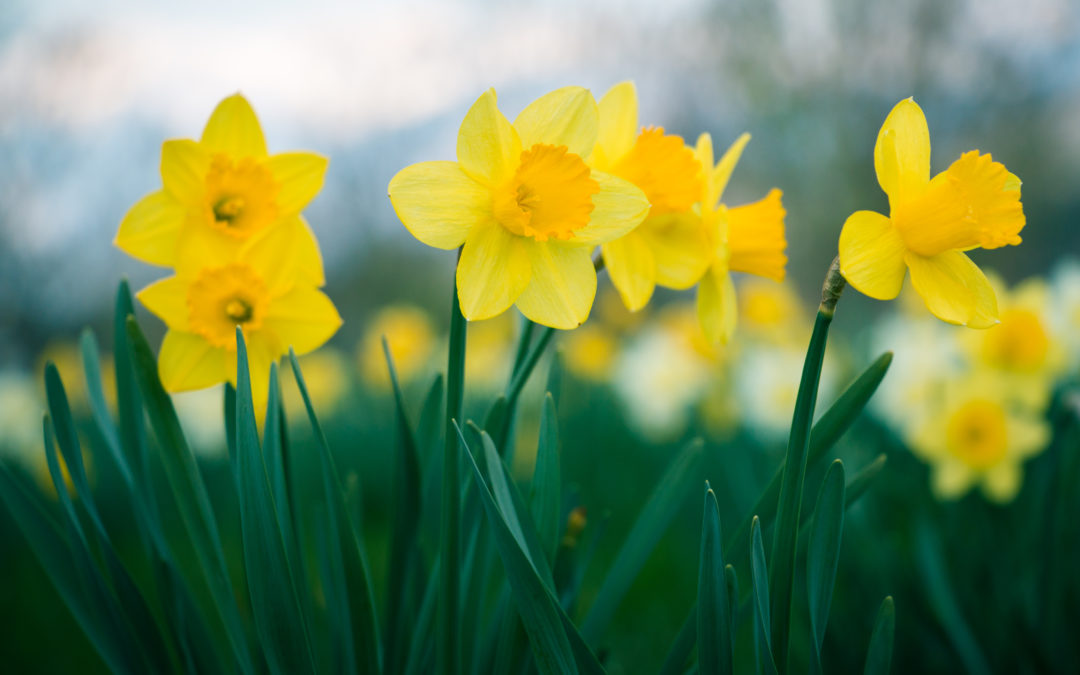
(974, 405)
(530, 201)
(227, 221)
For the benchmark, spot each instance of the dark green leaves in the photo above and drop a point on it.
(759, 577)
(714, 621)
(823, 554)
(546, 491)
(879, 655)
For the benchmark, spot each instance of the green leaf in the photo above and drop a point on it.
(823, 555)
(91, 359)
(861, 481)
(555, 373)
(759, 582)
(189, 493)
(129, 406)
(879, 654)
(732, 581)
(663, 504)
(406, 523)
(275, 603)
(537, 608)
(448, 633)
(420, 645)
(714, 608)
(786, 532)
(353, 602)
(546, 483)
(825, 433)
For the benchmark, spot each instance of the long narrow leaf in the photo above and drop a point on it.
(759, 582)
(714, 607)
(667, 497)
(879, 654)
(823, 555)
(546, 485)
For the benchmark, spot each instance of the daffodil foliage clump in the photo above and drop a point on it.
(484, 567)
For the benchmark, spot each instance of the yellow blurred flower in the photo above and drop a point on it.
(411, 339)
(259, 292)
(589, 352)
(976, 438)
(525, 207)
(669, 174)
(974, 203)
(326, 375)
(488, 351)
(748, 238)
(222, 194)
(772, 311)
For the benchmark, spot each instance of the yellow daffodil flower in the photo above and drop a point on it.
(589, 353)
(524, 205)
(661, 249)
(223, 193)
(974, 203)
(258, 291)
(976, 437)
(748, 238)
(411, 339)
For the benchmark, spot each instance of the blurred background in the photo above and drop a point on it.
(88, 91)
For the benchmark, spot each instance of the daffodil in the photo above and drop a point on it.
(259, 292)
(222, 193)
(977, 438)
(748, 238)
(589, 353)
(524, 206)
(665, 248)
(932, 222)
(411, 340)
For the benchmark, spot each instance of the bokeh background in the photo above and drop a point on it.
(88, 91)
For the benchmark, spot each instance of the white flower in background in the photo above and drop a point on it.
(202, 417)
(661, 375)
(1066, 307)
(21, 409)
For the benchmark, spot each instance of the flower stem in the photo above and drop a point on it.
(449, 631)
(786, 533)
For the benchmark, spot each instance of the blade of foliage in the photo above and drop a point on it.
(132, 601)
(406, 522)
(731, 579)
(555, 373)
(546, 487)
(714, 608)
(823, 555)
(785, 534)
(91, 358)
(276, 609)
(420, 645)
(537, 608)
(448, 633)
(354, 601)
(189, 493)
(663, 503)
(759, 581)
(828, 429)
(879, 654)
(132, 429)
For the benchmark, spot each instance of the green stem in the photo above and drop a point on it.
(449, 632)
(785, 538)
(524, 340)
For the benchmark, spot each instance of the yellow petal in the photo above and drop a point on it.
(872, 255)
(756, 237)
(284, 255)
(954, 289)
(1002, 482)
(566, 116)
(951, 478)
(1028, 435)
(488, 146)
(150, 229)
(234, 129)
(618, 126)
(902, 152)
(716, 305)
(299, 176)
(632, 269)
(438, 203)
(973, 203)
(618, 208)
(184, 164)
(563, 285)
(493, 271)
(304, 319)
(167, 299)
(720, 176)
(679, 246)
(187, 361)
(199, 245)
(703, 150)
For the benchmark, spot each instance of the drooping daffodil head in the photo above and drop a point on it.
(524, 206)
(975, 203)
(223, 193)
